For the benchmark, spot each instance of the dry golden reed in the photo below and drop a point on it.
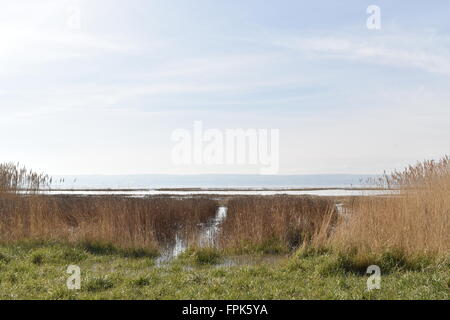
(414, 221)
(275, 223)
(15, 178)
(119, 221)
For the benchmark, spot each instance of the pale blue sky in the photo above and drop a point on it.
(105, 99)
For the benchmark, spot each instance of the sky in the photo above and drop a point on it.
(104, 93)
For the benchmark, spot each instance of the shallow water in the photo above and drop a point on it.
(170, 252)
(207, 238)
(209, 233)
(143, 193)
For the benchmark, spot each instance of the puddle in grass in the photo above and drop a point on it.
(207, 238)
(209, 233)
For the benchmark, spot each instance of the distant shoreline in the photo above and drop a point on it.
(208, 189)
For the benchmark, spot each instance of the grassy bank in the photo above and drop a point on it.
(30, 271)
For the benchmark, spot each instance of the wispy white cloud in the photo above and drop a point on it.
(429, 52)
(34, 33)
(100, 96)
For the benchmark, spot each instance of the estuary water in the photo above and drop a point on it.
(143, 193)
(207, 181)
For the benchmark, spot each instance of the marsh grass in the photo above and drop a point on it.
(102, 225)
(409, 230)
(15, 178)
(200, 256)
(98, 284)
(115, 277)
(275, 224)
(141, 281)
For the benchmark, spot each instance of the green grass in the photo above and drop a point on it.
(99, 248)
(38, 271)
(200, 257)
(268, 247)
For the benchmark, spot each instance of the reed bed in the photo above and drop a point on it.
(15, 178)
(413, 224)
(273, 224)
(118, 221)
